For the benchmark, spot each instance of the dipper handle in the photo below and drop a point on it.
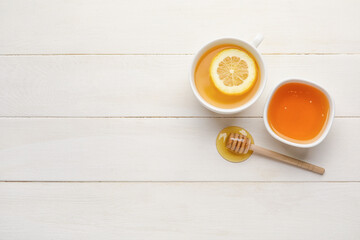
(286, 159)
(240, 144)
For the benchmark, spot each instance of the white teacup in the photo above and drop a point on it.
(251, 48)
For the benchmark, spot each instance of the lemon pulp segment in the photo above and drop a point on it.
(233, 71)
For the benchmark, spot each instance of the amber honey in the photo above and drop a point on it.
(207, 89)
(298, 112)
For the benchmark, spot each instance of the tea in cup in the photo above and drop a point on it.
(228, 75)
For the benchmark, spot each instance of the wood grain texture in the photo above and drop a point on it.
(149, 85)
(180, 211)
(166, 149)
(160, 26)
(56, 108)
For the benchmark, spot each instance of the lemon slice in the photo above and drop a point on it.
(233, 71)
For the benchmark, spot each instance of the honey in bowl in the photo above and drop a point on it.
(207, 89)
(298, 112)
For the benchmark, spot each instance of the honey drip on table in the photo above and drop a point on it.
(221, 141)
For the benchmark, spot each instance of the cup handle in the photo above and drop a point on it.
(257, 40)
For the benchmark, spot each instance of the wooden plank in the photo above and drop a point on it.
(180, 211)
(141, 26)
(164, 149)
(149, 85)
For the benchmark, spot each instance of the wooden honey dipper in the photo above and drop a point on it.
(240, 144)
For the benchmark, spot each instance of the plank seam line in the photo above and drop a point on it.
(47, 181)
(157, 54)
(150, 117)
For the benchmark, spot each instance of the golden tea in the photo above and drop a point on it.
(207, 89)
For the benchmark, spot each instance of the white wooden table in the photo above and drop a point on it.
(102, 138)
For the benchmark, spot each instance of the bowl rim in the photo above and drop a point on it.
(329, 121)
(262, 68)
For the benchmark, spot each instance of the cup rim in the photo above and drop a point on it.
(211, 107)
(329, 120)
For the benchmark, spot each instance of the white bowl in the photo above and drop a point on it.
(328, 122)
(247, 46)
